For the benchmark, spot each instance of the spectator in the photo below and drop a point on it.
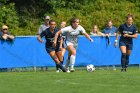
(45, 25)
(95, 31)
(4, 34)
(63, 24)
(109, 30)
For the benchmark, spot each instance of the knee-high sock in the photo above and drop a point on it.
(61, 67)
(127, 61)
(57, 67)
(123, 60)
(72, 60)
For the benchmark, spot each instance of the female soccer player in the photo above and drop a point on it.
(54, 52)
(71, 41)
(128, 31)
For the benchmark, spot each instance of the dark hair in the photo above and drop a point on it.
(74, 19)
(51, 21)
(109, 20)
(129, 16)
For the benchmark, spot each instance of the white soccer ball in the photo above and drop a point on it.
(90, 68)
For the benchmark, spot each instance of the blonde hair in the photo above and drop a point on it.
(96, 27)
(4, 27)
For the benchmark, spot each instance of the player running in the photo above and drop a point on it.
(128, 31)
(71, 41)
(54, 52)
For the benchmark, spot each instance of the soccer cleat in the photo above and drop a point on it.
(122, 70)
(125, 69)
(68, 71)
(72, 70)
(57, 71)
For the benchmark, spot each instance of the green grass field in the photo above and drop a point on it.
(81, 81)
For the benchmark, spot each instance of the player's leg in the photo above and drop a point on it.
(123, 56)
(68, 61)
(55, 58)
(128, 52)
(72, 50)
(60, 57)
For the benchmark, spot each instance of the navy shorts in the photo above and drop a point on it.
(50, 49)
(129, 46)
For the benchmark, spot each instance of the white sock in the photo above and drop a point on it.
(72, 61)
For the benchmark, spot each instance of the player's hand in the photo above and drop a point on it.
(91, 40)
(115, 44)
(54, 43)
(60, 47)
(125, 35)
(42, 41)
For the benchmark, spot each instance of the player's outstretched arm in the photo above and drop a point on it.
(56, 36)
(88, 37)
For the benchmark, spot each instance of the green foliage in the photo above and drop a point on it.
(9, 16)
(91, 12)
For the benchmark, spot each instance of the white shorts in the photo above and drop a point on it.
(67, 43)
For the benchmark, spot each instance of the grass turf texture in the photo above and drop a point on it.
(81, 81)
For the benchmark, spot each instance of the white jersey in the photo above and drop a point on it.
(72, 34)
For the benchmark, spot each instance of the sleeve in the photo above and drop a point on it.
(65, 30)
(103, 31)
(82, 30)
(135, 30)
(42, 34)
(40, 30)
(1, 34)
(120, 29)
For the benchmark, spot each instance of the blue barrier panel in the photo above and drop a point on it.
(27, 51)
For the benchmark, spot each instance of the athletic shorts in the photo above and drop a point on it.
(67, 43)
(129, 46)
(50, 49)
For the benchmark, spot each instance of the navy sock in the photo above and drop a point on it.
(127, 61)
(61, 67)
(57, 67)
(123, 60)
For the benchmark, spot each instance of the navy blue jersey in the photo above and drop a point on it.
(125, 29)
(49, 36)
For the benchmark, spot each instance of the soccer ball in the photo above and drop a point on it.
(90, 68)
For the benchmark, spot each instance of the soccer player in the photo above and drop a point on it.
(54, 52)
(128, 31)
(71, 41)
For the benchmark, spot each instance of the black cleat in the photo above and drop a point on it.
(122, 70)
(125, 69)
